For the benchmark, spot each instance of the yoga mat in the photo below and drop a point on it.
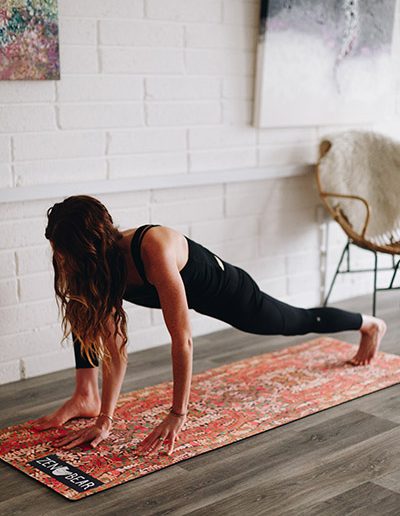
(227, 404)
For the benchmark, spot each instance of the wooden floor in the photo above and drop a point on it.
(342, 461)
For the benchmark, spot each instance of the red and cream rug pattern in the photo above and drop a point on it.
(227, 404)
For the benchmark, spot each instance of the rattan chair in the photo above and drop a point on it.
(358, 178)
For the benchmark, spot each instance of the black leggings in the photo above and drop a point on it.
(81, 361)
(244, 306)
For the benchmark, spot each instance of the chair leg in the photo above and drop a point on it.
(346, 248)
(375, 281)
(395, 269)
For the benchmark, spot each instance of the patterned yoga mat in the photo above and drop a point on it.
(227, 404)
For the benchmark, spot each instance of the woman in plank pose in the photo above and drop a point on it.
(97, 266)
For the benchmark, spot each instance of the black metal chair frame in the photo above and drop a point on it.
(375, 270)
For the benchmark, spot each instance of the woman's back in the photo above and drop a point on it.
(202, 274)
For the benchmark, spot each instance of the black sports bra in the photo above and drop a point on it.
(146, 294)
(202, 275)
(135, 249)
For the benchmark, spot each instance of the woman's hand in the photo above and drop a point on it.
(167, 432)
(93, 434)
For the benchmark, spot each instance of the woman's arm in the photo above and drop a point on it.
(162, 271)
(112, 381)
(113, 376)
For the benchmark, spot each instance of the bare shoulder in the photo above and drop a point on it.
(163, 241)
(161, 238)
(163, 249)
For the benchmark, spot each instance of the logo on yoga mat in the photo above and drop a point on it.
(65, 473)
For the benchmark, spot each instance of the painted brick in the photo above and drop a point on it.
(5, 176)
(8, 292)
(288, 154)
(222, 159)
(327, 130)
(251, 187)
(17, 234)
(187, 193)
(148, 338)
(141, 60)
(75, 31)
(48, 363)
(238, 112)
(26, 117)
(60, 144)
(146, 164)
(240, 12)
(9, 371)
(222, 230)
(146, 140)
(7, 264)
(291, 135)
(187, 211)
(124, 200)
(219, 62)
(200, 324)
(388, 127)
(26, 91)
(213, 137)
(259, 195)
(182, 88)
(245, 205)
(204, 325)
(30, 173)
(220, 36)
(183, 113)
(139, 317)
(303, 299)
(10, 210)
(5, 149)
(131, 217)
(303, 262)
(238, 88)
(275, 287)
(104, 9)
(279, 240)
(265, 268)
(36, 287)
(31, 343)
(92, 88)
(78, 59)
(184, 10)
(142, 34)
(303, 283)
(26, 317)
(34, 259)
(89, 116)
(37, 208)
(236, 251)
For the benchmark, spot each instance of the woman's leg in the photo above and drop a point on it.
(243, 305)
(81, 360)
(85, 401)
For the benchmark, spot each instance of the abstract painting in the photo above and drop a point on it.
(324, 62)
(29, 40)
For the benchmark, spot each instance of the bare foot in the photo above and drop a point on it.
(372, 332)
(77, 406)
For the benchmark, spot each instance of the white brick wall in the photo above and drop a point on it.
(153, 87)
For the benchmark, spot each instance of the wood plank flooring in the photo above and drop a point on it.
(341, 461)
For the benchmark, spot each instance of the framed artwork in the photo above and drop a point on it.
(324, 62)
(29, 40)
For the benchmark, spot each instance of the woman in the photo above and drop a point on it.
(97, 267)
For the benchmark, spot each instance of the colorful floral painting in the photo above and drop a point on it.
(227, 404)
(325, 62)
(29, 40)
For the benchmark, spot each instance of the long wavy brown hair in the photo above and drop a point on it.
(89, 273)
